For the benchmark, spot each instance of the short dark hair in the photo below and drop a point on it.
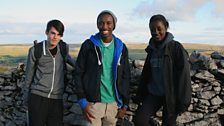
(58, 25)
(159, 17)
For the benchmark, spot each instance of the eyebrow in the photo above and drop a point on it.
(55, 33)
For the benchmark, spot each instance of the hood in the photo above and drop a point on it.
(95, 39)
(169, 38)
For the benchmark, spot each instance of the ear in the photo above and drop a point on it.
(166, 28)
(98, 26)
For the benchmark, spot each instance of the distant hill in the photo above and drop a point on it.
(203, 46)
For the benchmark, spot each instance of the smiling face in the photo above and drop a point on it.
(158, 30)
(105, 25)
(53, 37)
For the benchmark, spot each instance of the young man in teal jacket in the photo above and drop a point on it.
(102, 74)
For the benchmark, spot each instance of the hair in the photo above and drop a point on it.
(159, 17)
(58, 25)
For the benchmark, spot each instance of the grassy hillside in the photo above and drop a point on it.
(11, 55)
(137, 51)
(204, 48)
(14, 50)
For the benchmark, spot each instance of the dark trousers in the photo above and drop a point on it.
(44, 111)
(149, 107)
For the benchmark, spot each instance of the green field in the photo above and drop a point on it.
(11, 55)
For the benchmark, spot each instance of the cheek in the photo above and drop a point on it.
(98, 26)
(51, 36)
(164, 34)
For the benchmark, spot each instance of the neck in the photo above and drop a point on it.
(106, 40)
(50, 46)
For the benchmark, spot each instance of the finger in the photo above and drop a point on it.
(91, 115)
(88, 111)
(116, 116)
(119, 115)
(88, 118)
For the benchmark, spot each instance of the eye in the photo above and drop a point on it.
(159, 29)
(100, 23)
(109, 22)
(152, 29)
(54, 33)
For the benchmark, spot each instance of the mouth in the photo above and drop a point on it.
(155, 36)
(104, 32)
(54, 41)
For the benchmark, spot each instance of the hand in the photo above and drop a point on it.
(87, 112)
(121, 113)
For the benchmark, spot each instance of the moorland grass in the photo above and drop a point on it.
(10, 55)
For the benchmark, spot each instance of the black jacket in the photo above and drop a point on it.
(88, 71)
(176, 73)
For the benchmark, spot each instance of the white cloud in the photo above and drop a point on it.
(175, 10)
(20, 28)
(219, 9)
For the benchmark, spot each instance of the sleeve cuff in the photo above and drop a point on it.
(125, 106)
(83, 103)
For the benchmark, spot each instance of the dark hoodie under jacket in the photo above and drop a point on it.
(156, 84)
(176, 77)
(88, 69)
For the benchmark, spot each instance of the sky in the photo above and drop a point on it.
(191, 21)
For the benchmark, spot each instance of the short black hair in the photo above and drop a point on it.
(159, 17)
(58, 25)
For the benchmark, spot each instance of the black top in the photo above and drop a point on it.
(53, 51)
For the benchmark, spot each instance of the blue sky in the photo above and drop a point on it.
(191, 21)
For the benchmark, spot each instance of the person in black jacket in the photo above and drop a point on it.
(165, 80)
(102, 74)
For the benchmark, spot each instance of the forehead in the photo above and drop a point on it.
(105, 16)
(53, 29)
(157, 23)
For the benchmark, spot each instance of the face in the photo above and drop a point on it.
(53, 37)
(158, 30)
(105, 25)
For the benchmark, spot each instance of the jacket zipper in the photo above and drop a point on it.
(52, 85)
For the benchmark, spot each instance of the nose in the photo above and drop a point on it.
(56, 36)
(155, 33)
(104, 26)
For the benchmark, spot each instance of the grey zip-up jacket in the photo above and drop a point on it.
(45, 76)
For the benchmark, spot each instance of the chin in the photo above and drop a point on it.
(54, 44)
(157, 39)
(106, 35)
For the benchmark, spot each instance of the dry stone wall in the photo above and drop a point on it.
(206, 109)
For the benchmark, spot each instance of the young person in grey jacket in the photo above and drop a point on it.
(102, 74)
(165, 80)
(45, 79)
